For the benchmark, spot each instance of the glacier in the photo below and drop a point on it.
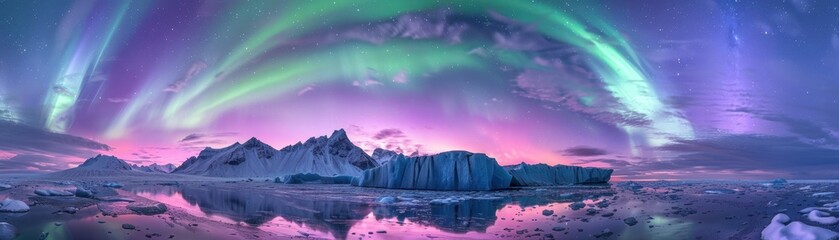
(326, 156)
(454, 170)
(312, 178)
(546, 175)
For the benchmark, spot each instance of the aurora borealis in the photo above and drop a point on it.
(658, 89)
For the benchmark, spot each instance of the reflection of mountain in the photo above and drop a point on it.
(334, 217)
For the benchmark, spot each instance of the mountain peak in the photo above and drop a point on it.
(105, 162)
(253, 142)
(338, 134)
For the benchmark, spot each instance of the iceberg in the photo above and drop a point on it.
(781, 228)
(545, 175)
(454, 170)
(312, 178)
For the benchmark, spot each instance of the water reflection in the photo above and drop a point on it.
(327, 216)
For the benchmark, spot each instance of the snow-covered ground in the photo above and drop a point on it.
(257, 208)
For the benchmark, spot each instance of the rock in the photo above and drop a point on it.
(381, 231)
(128, 226)
(559, 229)
(83, 193)
(631, 221)
(70, 210)
(577, 205)
(604, 234)
(43, 235)
(13, 206)
(454, 170)
(547, 212)
(545, 175)
(7, 231)
(780, 228)
(152, 209)
(5, 186)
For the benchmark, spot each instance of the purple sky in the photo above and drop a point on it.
(655, 89)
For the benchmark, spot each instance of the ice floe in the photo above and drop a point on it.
(782, 229)
(13, 206)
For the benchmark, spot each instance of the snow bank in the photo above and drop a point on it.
(822, 217)
(455, 170)
(545, 175)
(312, 178)
(13, 206)
(782, 229)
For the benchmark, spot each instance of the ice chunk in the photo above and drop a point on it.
(52, 192)
(13, 206)
(823, 194)
(782, 229)
(455, 170)
(545, 175)
(822, 217)
(5, 186)
(387, 200)
(7, 231)
(112, 185)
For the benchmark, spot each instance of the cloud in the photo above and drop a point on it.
(204, 136)
(614, 163)
(744, 156)
(568, 84)
(389, 138)
(24, 139)
(389, 133)
(432, 24)
(519, 36)
(193, 70)
(584, 151)
(810, 130)
(31, 163)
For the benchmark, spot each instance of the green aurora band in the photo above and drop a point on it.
(258, 75)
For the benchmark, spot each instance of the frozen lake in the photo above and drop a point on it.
(219, 209)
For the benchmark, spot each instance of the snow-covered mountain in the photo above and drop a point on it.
(105, 162)
(326, 156)
(99, 166)
(155, 168)
(382, 156)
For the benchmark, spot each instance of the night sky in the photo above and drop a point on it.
(654, 89)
